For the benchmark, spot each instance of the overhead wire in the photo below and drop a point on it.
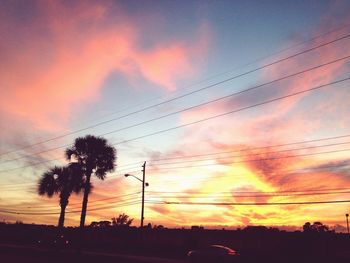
(307, 190)
(186, 203)
(211, 117)
(109, 177)
(67, 212)
(253, 160)
(254, 203)
(233, 195)
(253, 148)
(344, 26)
(247, 155)
(11, 186)
(127, 203)
(285, 203)
(227, 157)
(189, 93)
(337, 82)
(231, 112)
(91, 202)
(206, 179)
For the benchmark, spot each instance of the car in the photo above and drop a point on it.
(213, 253)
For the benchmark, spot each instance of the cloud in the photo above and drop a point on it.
(335, 166)
(56, 64)
(254, 196)
(282, 119)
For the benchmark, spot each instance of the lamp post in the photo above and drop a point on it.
(347, 222)
(144, 184)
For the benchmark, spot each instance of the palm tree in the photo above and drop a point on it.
(95, 156)
(123, 220)
(62, 180)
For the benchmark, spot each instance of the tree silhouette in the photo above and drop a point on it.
(122, 220)
(316, 227)
(94, 156)
(62, 180)
(101, 224)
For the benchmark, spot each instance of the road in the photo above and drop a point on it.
(27, 254)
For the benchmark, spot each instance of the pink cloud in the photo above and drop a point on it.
(282, 119)
(65, 55)
(162, 64)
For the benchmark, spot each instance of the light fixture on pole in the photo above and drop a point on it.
(347, 222)
(144, 184)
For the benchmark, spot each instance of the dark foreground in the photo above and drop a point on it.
(15, 253)
(19, 243)
(20, 254)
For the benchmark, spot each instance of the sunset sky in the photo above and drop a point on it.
(236, 106)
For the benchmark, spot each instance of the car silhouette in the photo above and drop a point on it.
(213, 253)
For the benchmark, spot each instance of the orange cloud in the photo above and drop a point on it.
(296, 119)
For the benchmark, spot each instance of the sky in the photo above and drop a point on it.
(239, 108)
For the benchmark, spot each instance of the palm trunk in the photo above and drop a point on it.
(61, 219)
(63, 204)
(85, 201)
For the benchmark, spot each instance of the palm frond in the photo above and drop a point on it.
(47, 184)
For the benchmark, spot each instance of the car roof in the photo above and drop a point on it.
(222, 247)
(219, 246)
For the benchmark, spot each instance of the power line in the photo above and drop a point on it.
(132, 201)
(248, 149)
(242, 66)
(200, 196)
(48, 161)
(193, 107)
(254, 154)
(284, 49)
(253, 160)
(255, 203)
(233, 111)
(57, 207)
(67, 212)
(253, 148)
(186, 94)
(209, 118)
(252, 192)
(285, 171)
(243, 161)
(186, 203)
(34, 184)
(195, 196)
(226, 97)
(121, 198)
(215, 116)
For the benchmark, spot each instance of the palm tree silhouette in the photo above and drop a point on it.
(63, 180)
(95, 156)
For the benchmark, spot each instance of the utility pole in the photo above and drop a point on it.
(347, 222)
(143, 192)
(144, 184)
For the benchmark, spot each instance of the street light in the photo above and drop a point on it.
(347, 222)
(143, 189)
